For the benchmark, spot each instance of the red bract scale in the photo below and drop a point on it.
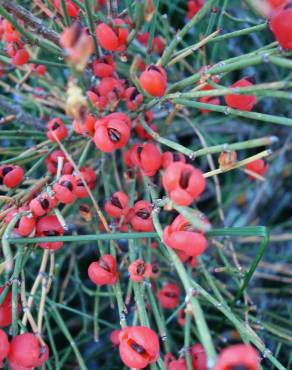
(112, 132)
(168, 296)
(139, 270)
(141, 219)
(139, 346)
(112, 38)
(5, 309)
(4, 347)
(85, 126)
(49, 226)
(118, 205)
(147, 158)
(90, 178)
(281, 26)
(154, 80)
(183, 182)
(193, 7)
(52, 163)
(65, 189)
(277, 3)
(259, 167)
(71, 7)
(60, 130)
(26, 351)
(40, 69)
(239, 101)
(181, 317)
(198, 356)
(238, 356)
(180, 364)
(168, 358)
(104, 66)
(25, 224)
(158, 43)
(104, 271)
(11, 175)
(133, 98)
(20, 57)
(115, 337)
(42, 204)
(169, 157)
(181, 235)
(191, 261)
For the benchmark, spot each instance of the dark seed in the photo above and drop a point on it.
(80, 183)
(239, 367)
(141, 269)
(51, 233)
(104, 265)
(6, 170)
(84, 208)
(170, 295)
(67, 184)
(139, 349)
(153, 68)
(134, 94)
(143, 213)
(45, 203)
(116, 202)
(114, 135)
(184, 179)
(176, 157)
(55, 126)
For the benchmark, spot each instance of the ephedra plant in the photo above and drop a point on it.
(144, 161)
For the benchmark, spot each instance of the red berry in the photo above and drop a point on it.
(139, 270)
(168, 358)
(281, 26)
(42, 204)
(11, 175)
(183, 182)
(65, 189)
(5, 309)
(21, 57)
(104, 271)
(72, 9)
(112, 132)
(133, 98)
(168, 296)
(139, 346)
(112, 38)
(198, 356)
(26, 351)
(142, 220)
(259, 166)
(239, 101)
(118, 205)
(49, 226)
(147, 157)
(52, 163)
(239, 356)
(25, 224)
(59, 129)
(182, 236)
(180, 364)
(193, 7)
(4, 347)
(84, 126)
(104, 66)
(154, 80)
